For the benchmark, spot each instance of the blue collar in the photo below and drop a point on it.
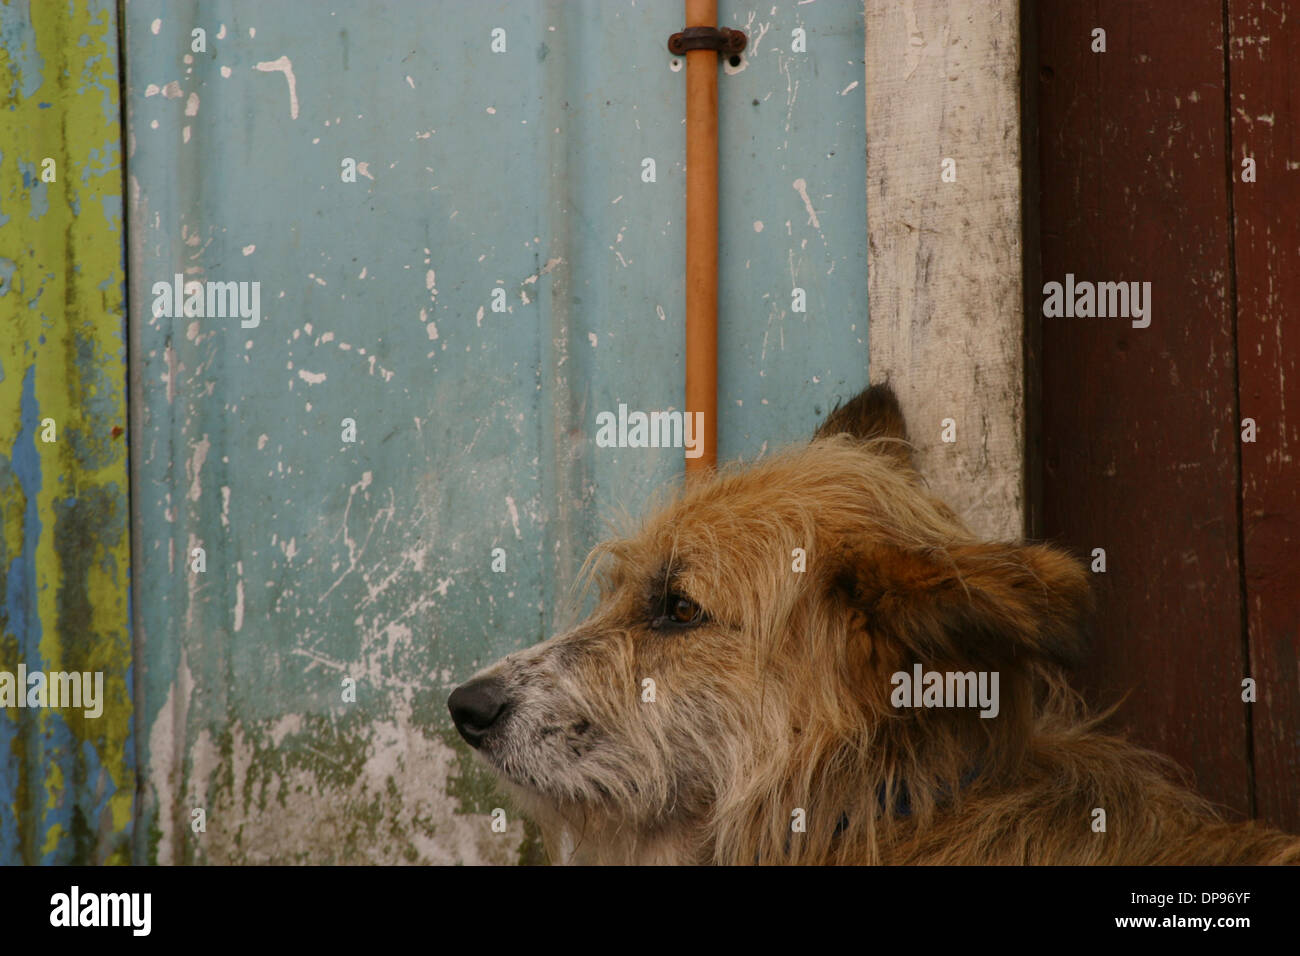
(902, 804)
(903, 799)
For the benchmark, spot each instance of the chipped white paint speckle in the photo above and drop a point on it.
(311, 378)
(354, 552)
(155, 27)
(226, 72)
(238, 612)
(283, 65)
(249, 249)
(283, 727)
(195, 465)
(192, 105)
(801, 187)
(551, 265)
(514, 515)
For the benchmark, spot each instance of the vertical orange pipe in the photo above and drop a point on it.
(702, 235)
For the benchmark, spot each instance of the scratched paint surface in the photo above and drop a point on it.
(370, 560)
(67, 779)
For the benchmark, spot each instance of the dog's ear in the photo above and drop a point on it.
(971, 604)
(872, 413)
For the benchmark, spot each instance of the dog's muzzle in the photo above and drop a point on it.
(476, 706)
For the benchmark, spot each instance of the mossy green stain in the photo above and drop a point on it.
(532, 852)
(155, 838)
(470, 784)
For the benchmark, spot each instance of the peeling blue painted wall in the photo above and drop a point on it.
(329, 560)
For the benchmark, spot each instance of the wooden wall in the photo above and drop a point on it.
(1264, 80)
(67, 774)
(944, 266)
(1140, 153)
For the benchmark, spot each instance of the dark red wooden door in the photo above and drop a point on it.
(1264, 84)
(1140, 179)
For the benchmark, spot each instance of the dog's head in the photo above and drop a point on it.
(740, 664)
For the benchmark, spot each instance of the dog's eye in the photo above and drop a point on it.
(679, 611)
(685, 611)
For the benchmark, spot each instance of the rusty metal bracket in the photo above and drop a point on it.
(730, 42)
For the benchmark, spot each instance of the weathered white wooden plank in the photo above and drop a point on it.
(945, 271)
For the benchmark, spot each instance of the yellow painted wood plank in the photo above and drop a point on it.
(67, 774)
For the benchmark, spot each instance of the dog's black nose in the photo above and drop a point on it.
(476, 706)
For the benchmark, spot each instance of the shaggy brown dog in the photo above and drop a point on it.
(739, 694)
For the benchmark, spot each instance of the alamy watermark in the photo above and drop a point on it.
(66, 689)
(651, 430)
(210, 300)
(1128, 300)
(946, 689)
(75, 908)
